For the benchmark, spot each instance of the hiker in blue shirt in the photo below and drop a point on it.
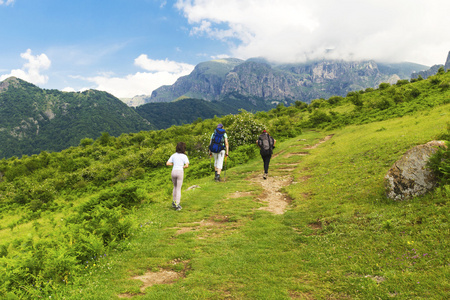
(179, 161)
(218, 147)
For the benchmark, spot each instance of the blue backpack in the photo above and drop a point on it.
(217, 144)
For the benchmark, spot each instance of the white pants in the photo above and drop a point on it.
(177, 179)
(218, 159)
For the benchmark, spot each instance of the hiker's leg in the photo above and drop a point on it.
(219, 161)
(266, 159)
(216, 157)
(177, 179)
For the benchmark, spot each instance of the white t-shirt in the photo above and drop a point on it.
(178, 160)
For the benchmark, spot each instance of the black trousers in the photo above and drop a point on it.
(266, 159)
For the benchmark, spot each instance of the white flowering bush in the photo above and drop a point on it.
(242, 129)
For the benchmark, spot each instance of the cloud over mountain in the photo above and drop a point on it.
(296, 30)
(161, 72)
(31, 71)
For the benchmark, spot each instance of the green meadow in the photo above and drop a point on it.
(115, 235)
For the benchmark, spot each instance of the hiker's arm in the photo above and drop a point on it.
(186, 166)
(169, 163)
(209, 151)
(226, 146)
(257, 144)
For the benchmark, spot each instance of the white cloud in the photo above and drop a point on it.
(162, 72)
(7, 2)
(295, 30)
(31, 71)
(162, 65)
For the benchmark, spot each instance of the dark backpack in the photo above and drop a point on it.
(217, 144)
(266, 143)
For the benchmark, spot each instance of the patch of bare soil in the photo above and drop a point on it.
(240, 195)
(320, 142)
(152, 278)
(286, 164)
(160, 277)
(286, 169)
(277, 201)
(297, 154)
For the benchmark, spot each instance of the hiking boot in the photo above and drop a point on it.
(265, 175)
(218, 178)
(178, 208)
(174, 205)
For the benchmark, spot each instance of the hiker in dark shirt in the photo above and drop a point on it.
(266, 144)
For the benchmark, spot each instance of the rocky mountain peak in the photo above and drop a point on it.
(14, 81)
(217, 79)
(447, 63)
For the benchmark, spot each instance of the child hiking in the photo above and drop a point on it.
(179, 161)
(218, 148)
(266, 144)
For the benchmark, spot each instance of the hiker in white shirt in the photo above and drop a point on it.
(179, 161)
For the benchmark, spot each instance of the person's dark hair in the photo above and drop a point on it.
(181, 147)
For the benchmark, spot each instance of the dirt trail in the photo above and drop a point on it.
(278, 201)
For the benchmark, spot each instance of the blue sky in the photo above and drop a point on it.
(131, 47)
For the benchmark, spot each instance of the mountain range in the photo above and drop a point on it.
(34, 119)
(275, 83)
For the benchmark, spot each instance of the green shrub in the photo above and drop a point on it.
(300, 105)
(243, 154)
(335, 100)
(414, 92)
(440, 161)
(319, 117)
(317, 103)
(86, 142)
(444, 86)
(160, 156)
(401, 82)
(435, 80)
(356, 99)
(281, 128)
(384, 85)
(440, 164)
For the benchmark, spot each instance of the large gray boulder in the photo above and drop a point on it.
(409, 176)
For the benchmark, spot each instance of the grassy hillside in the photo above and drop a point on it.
(95, 221)
(33, 119)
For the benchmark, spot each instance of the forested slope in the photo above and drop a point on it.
(33, 119)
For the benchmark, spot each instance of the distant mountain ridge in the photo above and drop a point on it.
(216, 79)
(433, 70)
(33, 119)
